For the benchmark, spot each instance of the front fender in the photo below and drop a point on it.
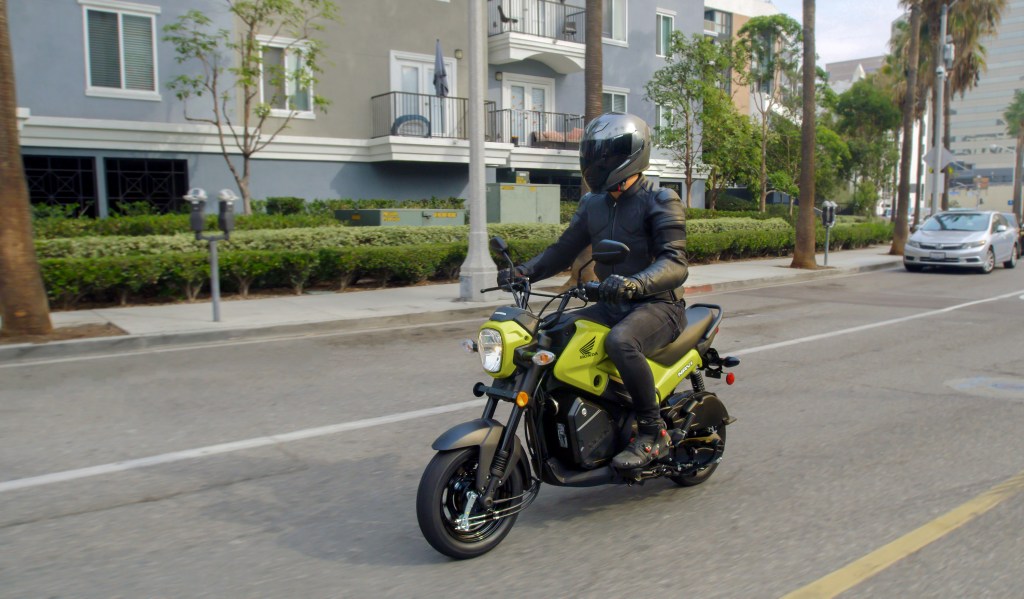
(486, 435)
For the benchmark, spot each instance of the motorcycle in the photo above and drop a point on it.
(576, 414)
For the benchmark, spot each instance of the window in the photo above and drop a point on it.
(665, 25)
(662, 118)
(613, 100)
(284, 82)
(159, 183)
(120, 49)
(722, 21)
(65, 182)
(614, 27)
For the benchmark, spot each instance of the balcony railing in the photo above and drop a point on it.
(424, 115)
(530, 128)
(553, 20)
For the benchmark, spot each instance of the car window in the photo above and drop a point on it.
(957, 221)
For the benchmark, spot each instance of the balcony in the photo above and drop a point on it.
(549, 32)
(422, 115)
(533, 129)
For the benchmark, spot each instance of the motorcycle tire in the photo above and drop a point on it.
(441, 500)
(692, 480)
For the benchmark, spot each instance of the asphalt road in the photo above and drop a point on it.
(866, 409)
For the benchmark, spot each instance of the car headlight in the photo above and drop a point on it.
(975, 244)
(490, 345)
(914, 244)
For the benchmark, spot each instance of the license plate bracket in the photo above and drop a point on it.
(937, 255)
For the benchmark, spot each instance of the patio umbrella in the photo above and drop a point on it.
(440, 74)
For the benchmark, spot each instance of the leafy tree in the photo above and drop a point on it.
(772, 44)
(867, 117)
(1014, 116)
(694, 75)
(232, 72)
(23, 305)
(731, 148)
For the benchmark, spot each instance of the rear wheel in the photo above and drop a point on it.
(990, 262)
(708, 454)
(1012, 262)
(446, 488)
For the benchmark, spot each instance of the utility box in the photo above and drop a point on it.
(401, 217)
(514, 203)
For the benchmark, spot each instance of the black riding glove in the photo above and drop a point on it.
(617, 289)
(507, 275)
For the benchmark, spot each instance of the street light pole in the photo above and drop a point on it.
(945, 56)
(478, 270)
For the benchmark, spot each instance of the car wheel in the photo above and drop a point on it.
(990, 262)
(1012, 262)
(912, 267)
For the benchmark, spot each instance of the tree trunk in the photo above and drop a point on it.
(901, 231)
(1018, 176)
(945, 140)
(593, 84)
(920, 171)
(803, 252)
(23, 306)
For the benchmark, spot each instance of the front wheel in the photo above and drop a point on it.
(990, 262)
(446, 488)
(708, 453)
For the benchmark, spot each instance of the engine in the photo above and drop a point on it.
(580, 432)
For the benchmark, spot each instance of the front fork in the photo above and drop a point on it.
(526, 389)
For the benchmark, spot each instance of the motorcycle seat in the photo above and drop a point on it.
(698, 319)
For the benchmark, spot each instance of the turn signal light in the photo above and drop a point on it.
(543, 358)
(522, 399)
(470, 346)
(730, 378)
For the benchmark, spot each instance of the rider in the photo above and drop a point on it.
(624, 206)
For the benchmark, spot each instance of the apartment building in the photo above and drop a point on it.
(723, 20)
(100, 128)
(983, 148)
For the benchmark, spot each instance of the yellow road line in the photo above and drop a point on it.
(864, 568)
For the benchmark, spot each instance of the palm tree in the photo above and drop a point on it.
(23, 305)
(1014, 116)
(803, 252)
(901, 231)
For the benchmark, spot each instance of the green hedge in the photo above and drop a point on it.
(316, 238)
(183, 275)
(169, 224)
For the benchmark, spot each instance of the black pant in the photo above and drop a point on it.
(638, 329)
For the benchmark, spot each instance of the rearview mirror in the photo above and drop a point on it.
(498, 245)
(1001, 229)
(610, 252)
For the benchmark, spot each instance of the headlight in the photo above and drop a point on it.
(975, 244)
(913, 244)
(489, 344)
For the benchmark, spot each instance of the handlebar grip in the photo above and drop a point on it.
(590, 290)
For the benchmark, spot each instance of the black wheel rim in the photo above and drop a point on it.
(453, 503)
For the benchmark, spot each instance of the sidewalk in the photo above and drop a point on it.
(151, 326)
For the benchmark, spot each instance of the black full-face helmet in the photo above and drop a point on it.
(614, 147)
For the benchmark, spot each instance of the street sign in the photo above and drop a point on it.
(947, 157)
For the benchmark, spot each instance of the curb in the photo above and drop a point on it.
(27, 352)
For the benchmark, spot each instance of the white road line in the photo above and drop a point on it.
(309, 433)
(188, 454)
(866, 327)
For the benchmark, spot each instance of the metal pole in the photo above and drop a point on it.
(940, 85)
(478, 271)
(214, 280)
(828, 235)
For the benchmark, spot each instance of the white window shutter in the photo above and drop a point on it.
(104, 54)
(138, 53)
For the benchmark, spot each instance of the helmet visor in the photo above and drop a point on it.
(599, 158)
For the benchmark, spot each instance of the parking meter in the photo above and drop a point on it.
(197, 217)
(828, 214)
(226, 213)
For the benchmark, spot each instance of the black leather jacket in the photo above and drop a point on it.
(651, 222)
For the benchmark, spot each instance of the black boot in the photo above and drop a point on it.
(651, 442)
